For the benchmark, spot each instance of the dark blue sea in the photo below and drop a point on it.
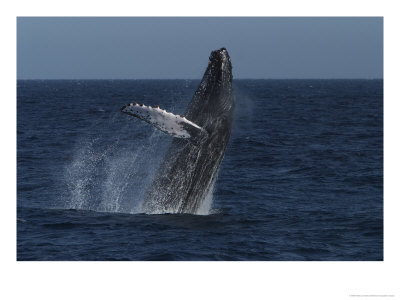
(302, 178)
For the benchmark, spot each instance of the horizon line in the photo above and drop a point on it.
(309, 78)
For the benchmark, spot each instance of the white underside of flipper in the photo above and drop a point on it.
(169, 123)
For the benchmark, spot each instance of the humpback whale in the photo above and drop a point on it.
(190, 166)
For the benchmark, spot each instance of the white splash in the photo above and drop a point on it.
(110, 177)
(114, 175)
(206, 206)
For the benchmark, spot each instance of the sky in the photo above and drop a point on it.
(178, 48)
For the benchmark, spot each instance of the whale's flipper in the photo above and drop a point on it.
(169, 123)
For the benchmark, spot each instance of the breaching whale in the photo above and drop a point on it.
(190, 166)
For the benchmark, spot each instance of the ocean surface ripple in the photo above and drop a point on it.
(302, 178)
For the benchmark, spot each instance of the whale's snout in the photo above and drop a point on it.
(220, 63)
(218, 56)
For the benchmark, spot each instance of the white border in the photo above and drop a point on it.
(198, 280)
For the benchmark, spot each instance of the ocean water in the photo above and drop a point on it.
(302, 178)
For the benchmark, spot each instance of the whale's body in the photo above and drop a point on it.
(190, 166)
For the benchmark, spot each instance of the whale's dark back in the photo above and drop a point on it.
(190, 168)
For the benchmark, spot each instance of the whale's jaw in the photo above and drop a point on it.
(214, 96)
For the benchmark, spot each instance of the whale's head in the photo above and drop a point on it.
(214, 96)
(220, 67)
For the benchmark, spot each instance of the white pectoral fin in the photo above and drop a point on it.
(169, 123)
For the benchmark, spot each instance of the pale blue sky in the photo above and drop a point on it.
(170, 48)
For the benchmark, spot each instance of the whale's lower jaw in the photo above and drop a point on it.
(189, 169)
